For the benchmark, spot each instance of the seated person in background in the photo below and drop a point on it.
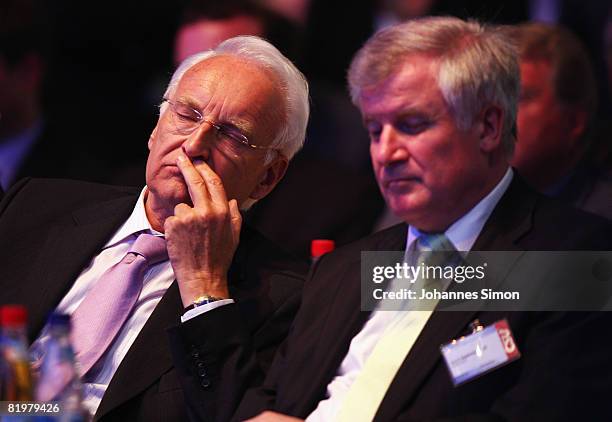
(205, 24)
(230, 121)
(439, 99)
(32, 143)
(21, 74)
(555, 118)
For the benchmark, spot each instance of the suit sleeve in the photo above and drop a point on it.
(262, 397)
(218, 357)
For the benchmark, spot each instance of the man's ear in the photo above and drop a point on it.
(272, 175)
(490, 127)
(153, 135)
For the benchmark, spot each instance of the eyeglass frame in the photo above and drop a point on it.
(238, 137)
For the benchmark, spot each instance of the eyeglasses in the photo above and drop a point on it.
(187, 119)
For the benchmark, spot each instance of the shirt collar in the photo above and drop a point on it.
(137, 222)
(464, 232)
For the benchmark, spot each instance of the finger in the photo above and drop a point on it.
(214, 184)
(182, 209)
(196, 185)
(168, 225)
(236, 218)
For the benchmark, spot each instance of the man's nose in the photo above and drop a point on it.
(199, 142)
(390, 146)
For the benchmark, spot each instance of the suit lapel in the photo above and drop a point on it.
(509, 222)
(69, 248)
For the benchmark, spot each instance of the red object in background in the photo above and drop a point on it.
(320, 247)
(13, 315)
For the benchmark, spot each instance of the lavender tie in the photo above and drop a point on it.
(106, 307)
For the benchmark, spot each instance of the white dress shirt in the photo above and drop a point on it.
(157, 279)
(462, 234)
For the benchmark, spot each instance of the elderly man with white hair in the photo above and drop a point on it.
(134, 266)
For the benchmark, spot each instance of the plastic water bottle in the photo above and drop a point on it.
(15, 376)
(59, 379)
(319, 247)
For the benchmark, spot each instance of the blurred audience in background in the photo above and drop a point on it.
(608, 49)
(606, 117)
(109, 66)
(31, 144)
(556, 116)
(294, 10)
(205, 24)
(101, 68)
(333, 33)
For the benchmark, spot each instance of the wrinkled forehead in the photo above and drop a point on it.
(235, 88)
(413, 82)
(231, 71)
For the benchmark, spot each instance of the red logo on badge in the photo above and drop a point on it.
(505, 335)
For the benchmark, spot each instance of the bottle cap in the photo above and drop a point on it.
(13, 315)
(320, 247)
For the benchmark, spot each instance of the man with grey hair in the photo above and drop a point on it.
(439, 97)
(129, 265)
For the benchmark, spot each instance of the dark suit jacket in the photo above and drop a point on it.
(49, 232)
(565, 372)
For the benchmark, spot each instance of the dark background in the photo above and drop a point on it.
(108, 62)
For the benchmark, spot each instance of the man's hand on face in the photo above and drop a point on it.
(202, 239)
(269, 416)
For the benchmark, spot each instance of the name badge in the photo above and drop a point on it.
(486, 349)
